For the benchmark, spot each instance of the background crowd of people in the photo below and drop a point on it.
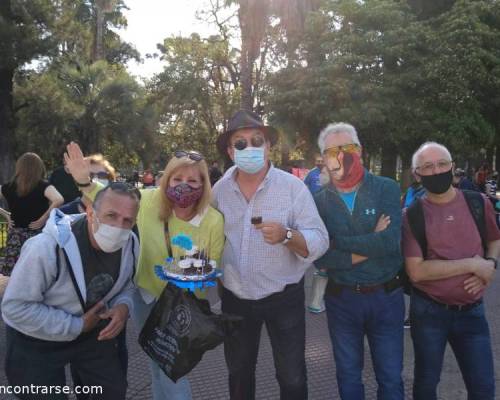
(265, 227)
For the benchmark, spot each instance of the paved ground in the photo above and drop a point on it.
(209, 378)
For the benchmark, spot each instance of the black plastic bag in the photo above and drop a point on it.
(180, 329)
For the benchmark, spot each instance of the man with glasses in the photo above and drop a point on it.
(451, 246)
(363, 296)
(70, 295)
(273, 234)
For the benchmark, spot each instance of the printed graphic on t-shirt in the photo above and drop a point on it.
(98, 287)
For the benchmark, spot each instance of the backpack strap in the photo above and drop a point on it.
(416, 220)
(71, 273)
(73, 280)
(475, 201)
(58, 262)
(133, 258)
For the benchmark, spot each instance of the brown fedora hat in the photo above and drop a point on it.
(243, 119)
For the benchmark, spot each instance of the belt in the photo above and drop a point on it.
(451, 307)
(334, 289)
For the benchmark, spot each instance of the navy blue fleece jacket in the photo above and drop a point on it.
(354, 233)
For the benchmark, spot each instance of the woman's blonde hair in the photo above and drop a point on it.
(30, 170)
(173, 165)
(98, 158)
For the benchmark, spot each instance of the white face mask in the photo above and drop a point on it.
(110, 238)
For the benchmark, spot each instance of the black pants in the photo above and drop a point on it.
(284, 316)
(31, 361)
(121, 341)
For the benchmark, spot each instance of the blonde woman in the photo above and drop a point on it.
(179, 205)
(100, 170)
(30, 199)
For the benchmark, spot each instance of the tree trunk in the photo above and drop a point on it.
(6, 125)
(253, 18)
(98, 46)
(496, 166)
(7, 69)
(406, 177)
(246, 63)
(389, 160)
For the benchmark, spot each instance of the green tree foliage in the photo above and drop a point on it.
(95, 105)
(399, 78)
(24, 35)
(197, 91)
(63, 94)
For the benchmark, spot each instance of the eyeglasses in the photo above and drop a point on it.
(345, 148)
(429, 167)
(256, 141)
(192, 155)
(99, 175)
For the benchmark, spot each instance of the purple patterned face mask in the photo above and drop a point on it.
(184, 195)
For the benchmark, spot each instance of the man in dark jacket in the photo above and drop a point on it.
(364, 296)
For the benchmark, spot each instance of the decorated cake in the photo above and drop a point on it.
(193, 266)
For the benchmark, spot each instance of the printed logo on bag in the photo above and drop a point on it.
(180, 320)
(368, 211)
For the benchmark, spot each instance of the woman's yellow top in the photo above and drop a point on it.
(206, 231)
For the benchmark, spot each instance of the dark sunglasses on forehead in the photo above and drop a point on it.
(192, 155)
(256, 141)
(124, 188)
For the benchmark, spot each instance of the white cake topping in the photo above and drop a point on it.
(185, 263)
(198, 263)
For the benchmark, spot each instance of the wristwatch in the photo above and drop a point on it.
(288, 236)
(495, 260)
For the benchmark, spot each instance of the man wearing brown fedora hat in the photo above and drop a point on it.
(273, 234)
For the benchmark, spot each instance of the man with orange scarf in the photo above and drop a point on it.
(363, 296)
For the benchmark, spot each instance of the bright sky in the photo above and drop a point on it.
(151, 21)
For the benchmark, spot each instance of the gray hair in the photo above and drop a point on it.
(335, 129)
(425, 146)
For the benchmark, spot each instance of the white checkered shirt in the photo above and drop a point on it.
(254, 269)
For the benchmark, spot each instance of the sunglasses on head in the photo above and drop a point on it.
(123, 187)
(255, 141)
(345, 148)
(99, 175)
(192, 155)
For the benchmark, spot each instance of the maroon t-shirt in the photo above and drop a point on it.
(451, 235)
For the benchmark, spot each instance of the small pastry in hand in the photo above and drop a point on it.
(256, 220)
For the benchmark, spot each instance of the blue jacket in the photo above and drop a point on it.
(312, 180)
(354, 233)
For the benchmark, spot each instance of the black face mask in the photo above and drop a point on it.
(437, 184)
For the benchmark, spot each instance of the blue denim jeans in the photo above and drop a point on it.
(467, 332)
(162, 386)
(379, 316)
(284, 316)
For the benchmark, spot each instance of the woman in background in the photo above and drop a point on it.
(30, 199)
(100, 170)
